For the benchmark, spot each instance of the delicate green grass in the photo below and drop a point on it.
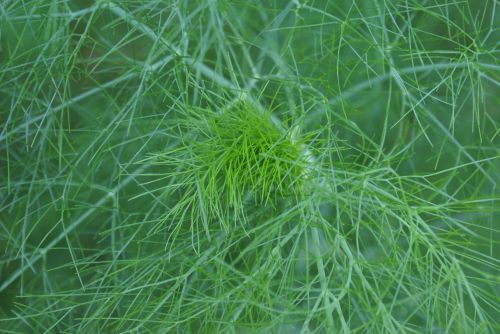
(228, 161)
(249, 167)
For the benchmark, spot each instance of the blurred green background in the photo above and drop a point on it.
(89, 89)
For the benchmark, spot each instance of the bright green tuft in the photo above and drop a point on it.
(230, 158)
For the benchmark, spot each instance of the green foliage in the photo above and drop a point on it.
(229, 160)
(249, 166)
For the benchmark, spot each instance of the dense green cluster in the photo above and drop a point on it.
(229, 159)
